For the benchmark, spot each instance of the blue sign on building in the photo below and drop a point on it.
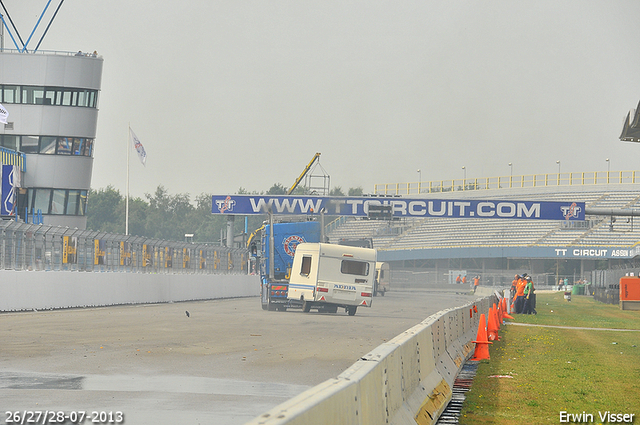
(8, 180)
(401, 207)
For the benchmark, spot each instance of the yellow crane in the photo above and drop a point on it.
(315, 158)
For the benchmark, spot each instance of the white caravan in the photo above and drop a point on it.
(326, 277)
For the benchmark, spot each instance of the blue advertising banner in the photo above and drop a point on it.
(8, 179)
(401, 207)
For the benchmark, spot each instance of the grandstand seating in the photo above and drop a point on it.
(420, 233)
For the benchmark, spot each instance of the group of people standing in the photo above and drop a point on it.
(523, 292)
(463, 280)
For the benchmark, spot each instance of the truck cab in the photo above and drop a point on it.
(274, 284)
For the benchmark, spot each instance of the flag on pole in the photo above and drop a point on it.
(4, 114)
(142, 154)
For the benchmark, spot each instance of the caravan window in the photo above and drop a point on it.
(360, 268)
(306, 266)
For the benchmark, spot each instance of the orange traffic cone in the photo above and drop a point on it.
(505, 315)
(492, 326)
(498, 312)
(482, 344)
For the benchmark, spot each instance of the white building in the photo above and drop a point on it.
(52, 99)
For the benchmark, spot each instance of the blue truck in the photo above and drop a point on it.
(276, 258)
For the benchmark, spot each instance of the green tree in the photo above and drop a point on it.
(138, 210)
(277, 189)
(336, 191)
(205, 225)
(356, 191)
(168, 216)
(300, 190)
(105, 210)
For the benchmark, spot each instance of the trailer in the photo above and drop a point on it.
(327, 277)
(383, 278)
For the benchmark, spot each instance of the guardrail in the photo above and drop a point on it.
(507, 182)
(407, 380)
(26, 246)
(47, 52)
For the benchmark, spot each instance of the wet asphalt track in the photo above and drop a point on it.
(224, 362)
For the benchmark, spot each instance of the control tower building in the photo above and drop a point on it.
(52, 100)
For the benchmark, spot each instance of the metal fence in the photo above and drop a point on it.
(511, 181)
(416, 279)
(39, 247)
(611, 278)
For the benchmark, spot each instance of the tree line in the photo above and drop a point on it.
(165, 216)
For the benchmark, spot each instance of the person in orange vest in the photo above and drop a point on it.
(513, 287)
(458, 280)
(476, 283)
(464, 279)
(512, 293)
(520, 285)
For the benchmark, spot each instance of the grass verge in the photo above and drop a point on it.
(537, 372)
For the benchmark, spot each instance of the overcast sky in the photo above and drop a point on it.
(230, 94)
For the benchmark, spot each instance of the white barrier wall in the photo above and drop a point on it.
(405, 381)
(28, 290)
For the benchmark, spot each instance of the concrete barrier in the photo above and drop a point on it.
(407, 380)
(28, 290)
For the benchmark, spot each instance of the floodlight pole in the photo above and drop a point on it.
(464, 181)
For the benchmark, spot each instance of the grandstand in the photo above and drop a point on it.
(441, 243)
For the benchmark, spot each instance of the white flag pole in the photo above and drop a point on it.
(126, 213)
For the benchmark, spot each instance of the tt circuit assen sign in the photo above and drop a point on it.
(401, 207)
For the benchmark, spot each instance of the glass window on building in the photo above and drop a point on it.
(72, 202)
(49, 97)
(64, 145)
(29, 144)
(58, 97)
(48, 145)
(66, 98)
(10, 142)
(33, 95)
(82, 205)
(11, 94)
(78, 146)
(58, 201)
(88, 147)
(83, 98)
(42, 198)
(92, 99)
